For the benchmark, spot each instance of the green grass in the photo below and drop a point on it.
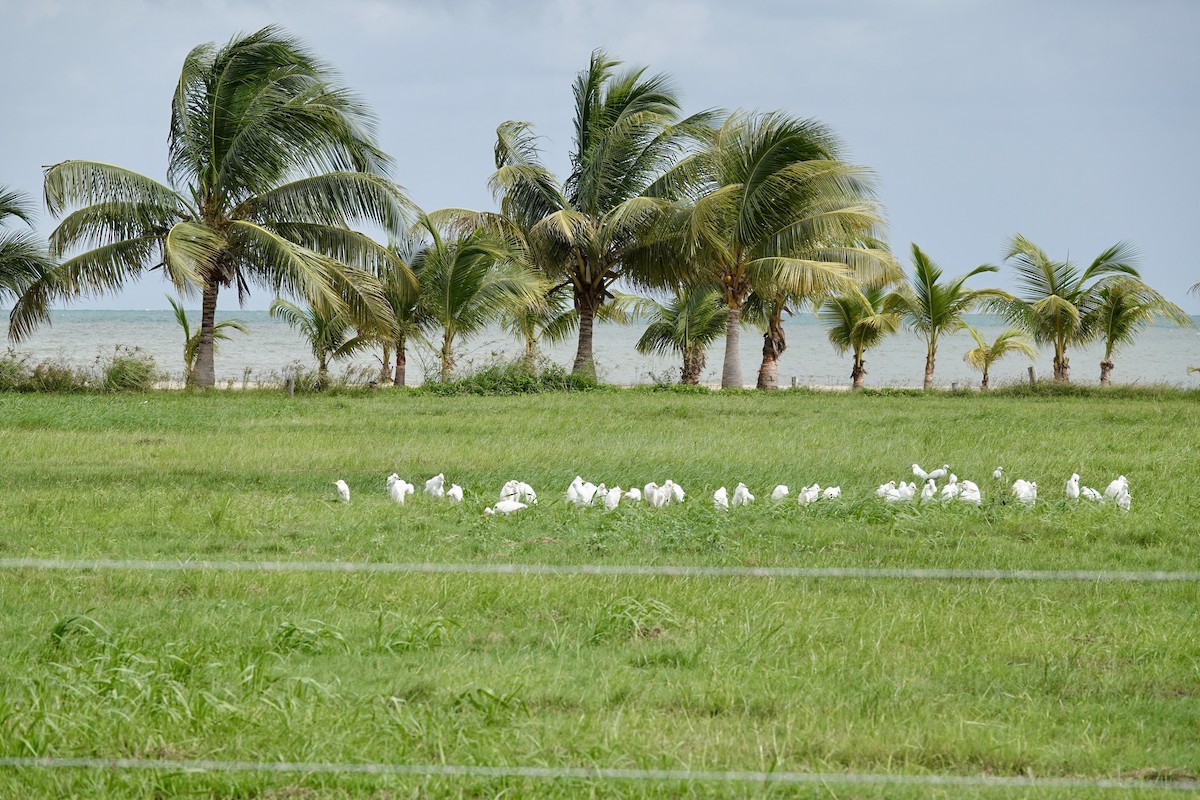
(1049, 679)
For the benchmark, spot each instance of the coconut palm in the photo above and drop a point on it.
(191, 339)
(22, 259)
(685, 325)
(329, 337)
(627, 134)
(932, 307)
(1055, 296)
(984, 355)
(858, 320)
(1125, 307)
(776, 211)
(269, 165)
(468, 280)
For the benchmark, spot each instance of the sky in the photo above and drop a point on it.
(1071, 122)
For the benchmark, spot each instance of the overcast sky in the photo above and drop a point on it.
(1074, 123)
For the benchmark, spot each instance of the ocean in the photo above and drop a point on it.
(1160, 356)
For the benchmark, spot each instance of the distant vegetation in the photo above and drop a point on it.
(742, 218)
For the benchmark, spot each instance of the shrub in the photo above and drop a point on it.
(513, 378)
(129, 370)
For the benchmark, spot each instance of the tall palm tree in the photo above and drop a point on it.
(191, 339)
(773, 210)
(858, 320)
(685, 325)
(984, 355)
(932, 307)
(1124, 308)
(22, 259)
(627, 134)
(468, 280)
(269, 163)
(1055, 296)
(329, 336)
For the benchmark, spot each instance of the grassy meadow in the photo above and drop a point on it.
(914, 677)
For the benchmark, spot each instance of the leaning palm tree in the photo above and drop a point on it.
(1055, 296)
(857, 321)
(984, 355)
(468, 280)
(269, 163)
(685, 325)
(932, 307)
(775, 210)
(1124, 308)
(191, 339)
(23, 260)
(329, 336)
(627, 134)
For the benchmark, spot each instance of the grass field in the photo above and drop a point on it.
(1098, 680)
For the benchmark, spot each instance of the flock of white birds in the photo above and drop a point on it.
(516, 495)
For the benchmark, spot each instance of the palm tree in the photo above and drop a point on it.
(627, 134)
(329, 337)
(1056, 296)
(468, 280)
(191, 339)
(932, 307)
(985, 355)
(775, 211)
(269, 164)
(22, 260)
(1125, 307)
(685, 325)
(858, 320)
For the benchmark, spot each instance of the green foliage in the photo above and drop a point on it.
(513, 378)
(23, 260)
(128, 369)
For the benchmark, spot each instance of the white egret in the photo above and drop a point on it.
(742, 496)
(951, 490)
(809, 494)
(920, 473)
(1124, 499)
(505, 507)
(634, 495)
(612, 498)
(928, 491)
(455, 493)
(1072, 487)
(1120, 484)
(1088, 493)
(907, 491)
(780, 492)
(433, 486)
(998, 475)
(518, 490)
(398, 488)
(343, 490)
(970, 493)
(721, 498)
(940, 473)
(587, 493)
(832, 492)
(675, 489)
(885, 489)
(1025, 491)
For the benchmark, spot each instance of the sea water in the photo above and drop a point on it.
(271, 349)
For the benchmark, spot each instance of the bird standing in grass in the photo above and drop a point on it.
(434, 486)
(343, 490)
(505, 507)
(1072, 487)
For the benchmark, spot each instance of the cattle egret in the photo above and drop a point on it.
(742, 496)
(398, 488)
(1025, 491)
(505, 507)
(928, 491)
(809, 494)
(433, 486)
(634, 495)
(951, 490)
(1072, 487)
(885, 489)
(1124, 499)
(343, 490)
(832, 492)
(1088, 493)
(612, 498)
(518, 490)
(938, 474)
(998, 475)
(587, 493)
(675, 489)
(1121, 484)
(907, 491)
(721, 498)
(780, 492)
(920, 473)
(970, 493)
(454, 494)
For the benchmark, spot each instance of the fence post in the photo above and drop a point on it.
(290, 385)
(1032, 376)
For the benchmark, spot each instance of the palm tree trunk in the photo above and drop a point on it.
(322, 371)
(586, 304)
(530, 357)
(447, 356)
(401, 362)
(773, 347)
(385, 366)
(731, 370)
(1062, 365)
(693, 365)
(930, 357)
(859, 372)
(1106, 368)
(204, 374)
(983, 387)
